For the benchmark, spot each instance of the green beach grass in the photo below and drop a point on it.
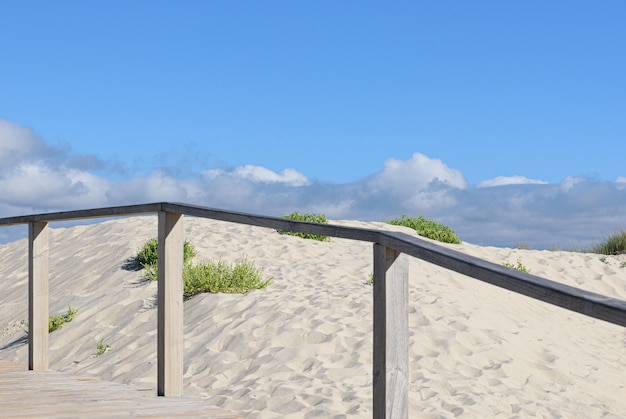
(613, 244)
(310, 218)
(205, 277)
(426, 227)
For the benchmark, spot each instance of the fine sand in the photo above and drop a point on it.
(303, 346)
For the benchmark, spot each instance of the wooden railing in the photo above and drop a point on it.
(391, 273)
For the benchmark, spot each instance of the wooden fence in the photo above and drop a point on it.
(391, 273)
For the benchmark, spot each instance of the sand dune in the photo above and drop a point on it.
(302, 347)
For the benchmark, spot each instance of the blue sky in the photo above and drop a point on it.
(505, 120)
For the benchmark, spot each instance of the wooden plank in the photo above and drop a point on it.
(118, 211)
(277, 223)
(170, 305)
(391, 334)
(51, 394)
(38, 254)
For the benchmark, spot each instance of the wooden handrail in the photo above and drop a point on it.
(572, 298)
(390, 279)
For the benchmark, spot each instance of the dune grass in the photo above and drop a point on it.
(102, 347)
(206, 277)
(427, 228)
(519, 266)
(220, 277)
(311, 218)
(56, 322)
(613, 244)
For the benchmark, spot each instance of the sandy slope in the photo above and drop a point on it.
(302, 347)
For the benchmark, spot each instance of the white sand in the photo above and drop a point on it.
(302, 347)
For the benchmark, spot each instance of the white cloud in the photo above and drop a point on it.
(261, 174)
(430, 200)
(155, 187)
(16, 142)
(211, 174)
(36, 185)
(509, 180)
(542, 214)
(407, 177)
(569, 182)
(258, 174)
(337, 210)
(416, 185)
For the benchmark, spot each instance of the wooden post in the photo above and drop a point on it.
(391, 334)
(38, 254)
(170, 305)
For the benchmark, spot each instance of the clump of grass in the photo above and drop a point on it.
(212, 277)
(613, 244)
(102, 347)
(427, 228)
(311, 218)
(152, 271)
(518, 266)
(220, 277)
(57, 321)
(148, 254)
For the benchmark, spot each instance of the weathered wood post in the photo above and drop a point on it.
(170, 305)
(391, 334)
(38, 255)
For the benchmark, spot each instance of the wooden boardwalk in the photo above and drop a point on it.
(50, 394)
